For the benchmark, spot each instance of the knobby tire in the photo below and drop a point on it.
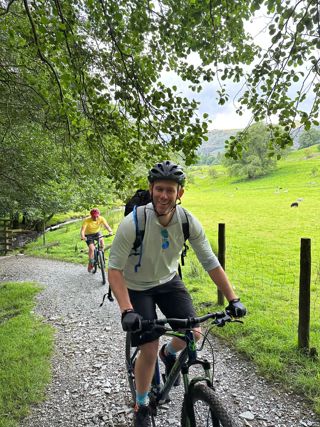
(130, 366)
(208, 409)
(95, 265)
(102, 266)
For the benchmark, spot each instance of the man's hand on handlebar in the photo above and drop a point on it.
(236, 308)
(131, 321)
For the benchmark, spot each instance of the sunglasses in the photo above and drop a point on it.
(165, 241)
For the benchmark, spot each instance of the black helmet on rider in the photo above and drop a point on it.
(167, 170)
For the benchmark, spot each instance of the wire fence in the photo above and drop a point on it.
(267, 278)
(272, 280)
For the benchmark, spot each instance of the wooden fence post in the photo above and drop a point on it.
(221, 255)
(304, 294)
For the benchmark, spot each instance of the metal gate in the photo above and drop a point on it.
(5, 236)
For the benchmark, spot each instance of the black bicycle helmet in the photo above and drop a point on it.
(167, 170)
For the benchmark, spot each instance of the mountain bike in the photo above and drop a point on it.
(99, 258)
(201, 403)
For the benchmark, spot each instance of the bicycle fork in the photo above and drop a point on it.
(188, 386)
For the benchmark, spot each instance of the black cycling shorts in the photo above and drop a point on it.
(173, 300)
(90, 238)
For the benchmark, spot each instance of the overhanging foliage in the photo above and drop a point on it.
(88, 75)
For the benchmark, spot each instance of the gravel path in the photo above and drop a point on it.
(89, 385)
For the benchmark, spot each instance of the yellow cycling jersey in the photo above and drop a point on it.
(93, 227)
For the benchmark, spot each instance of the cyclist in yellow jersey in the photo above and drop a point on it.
(90, 230)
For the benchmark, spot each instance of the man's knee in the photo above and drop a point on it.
(197, 333)
(150, 350)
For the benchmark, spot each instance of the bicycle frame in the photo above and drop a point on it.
(99, 258)
(187, 358)
(97, 242)
(97, 248)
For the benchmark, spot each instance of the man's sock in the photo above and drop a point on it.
(91, 260)
(142, 399)
(169, 349)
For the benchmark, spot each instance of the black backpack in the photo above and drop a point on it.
(141, 197)
(137, 205)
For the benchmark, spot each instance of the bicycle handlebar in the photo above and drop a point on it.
(97, 238)
(104, 235)
(220, 319)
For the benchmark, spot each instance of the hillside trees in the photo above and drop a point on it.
(88, 75)
(255, 160)
(309, 137)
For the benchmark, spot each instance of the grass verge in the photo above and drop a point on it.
(26, 345)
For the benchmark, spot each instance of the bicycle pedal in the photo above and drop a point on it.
(167, 400)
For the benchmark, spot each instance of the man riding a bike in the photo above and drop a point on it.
(90, 230)
(156, 282)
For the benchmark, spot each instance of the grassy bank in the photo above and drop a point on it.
(25, 348)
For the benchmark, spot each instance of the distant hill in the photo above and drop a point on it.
(216, 142)
(217, 138)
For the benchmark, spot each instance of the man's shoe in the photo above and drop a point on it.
(90, 267)
(169, 360)
(142, 416)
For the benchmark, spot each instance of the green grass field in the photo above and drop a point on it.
(263, 236)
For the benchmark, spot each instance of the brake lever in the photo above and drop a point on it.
(221, 322)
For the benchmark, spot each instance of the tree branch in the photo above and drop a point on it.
(7, 8)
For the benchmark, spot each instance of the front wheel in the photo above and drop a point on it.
(207, 408)
(102, 266)
(95, 265)
(131, 354)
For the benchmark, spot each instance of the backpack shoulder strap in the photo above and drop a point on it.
(185, 222)
(139, 217)
(186, 234)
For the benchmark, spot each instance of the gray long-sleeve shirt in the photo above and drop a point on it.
(158, 265)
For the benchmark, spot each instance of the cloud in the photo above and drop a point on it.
(229, 119)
